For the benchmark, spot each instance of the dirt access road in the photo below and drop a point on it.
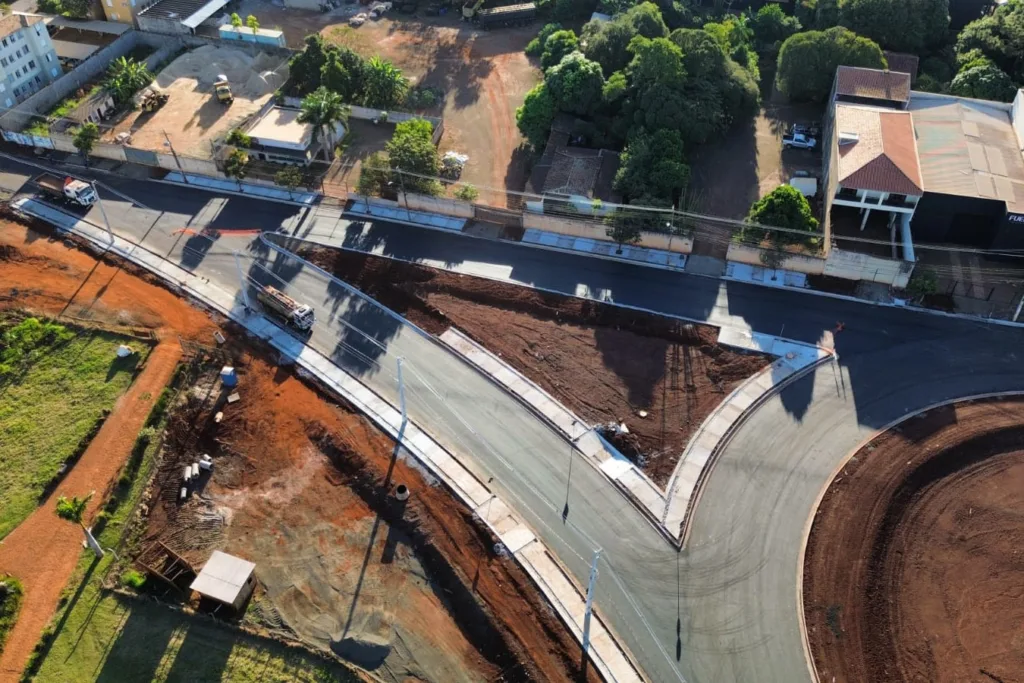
(603, 362)
(43, 551)
(410, 591)
(923, 583)
(485, 76)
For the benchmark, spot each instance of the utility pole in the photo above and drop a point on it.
(590, 601)
(401, 427)
(243, 282)
(177, 162)
(405, 198)
(401, 403)
(106, 221)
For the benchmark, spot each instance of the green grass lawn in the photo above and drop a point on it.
(46, 410)
(10, 603)
(108, 638)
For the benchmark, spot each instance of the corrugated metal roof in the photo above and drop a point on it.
(223, 577)
(955, 160)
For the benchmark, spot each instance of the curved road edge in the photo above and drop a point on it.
(612, 658)
(815, 678)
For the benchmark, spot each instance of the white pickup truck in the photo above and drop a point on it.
(798, 141)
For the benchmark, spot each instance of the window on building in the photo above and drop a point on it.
(8, 102)
(17, 73)
(3, 88)
(4, 42)
(110, 3)
(53, 71)
(3, 61)
(38, 80)
(49, 57)
(31, 63)
(113, 15)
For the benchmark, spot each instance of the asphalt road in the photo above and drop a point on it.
(724, 609)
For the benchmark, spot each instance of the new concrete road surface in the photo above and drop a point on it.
(726, 607)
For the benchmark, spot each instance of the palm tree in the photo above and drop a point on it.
(323, 109)
(385, 84)
(125, 77)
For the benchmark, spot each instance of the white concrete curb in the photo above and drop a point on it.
(610, 658)
(668, 509)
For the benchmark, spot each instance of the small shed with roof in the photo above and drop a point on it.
(226, 579)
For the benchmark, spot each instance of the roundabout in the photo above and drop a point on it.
(914, 565)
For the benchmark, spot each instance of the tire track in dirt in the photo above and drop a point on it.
(43, 551)
(503, 132)
(923, 581)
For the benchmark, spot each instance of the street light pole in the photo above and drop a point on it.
(590, 601)
(106, 221)
(401, 403)
(177, 162)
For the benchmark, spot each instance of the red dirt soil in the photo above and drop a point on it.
(603, 362)
(41, 275)
(914, 567)
(291, 465)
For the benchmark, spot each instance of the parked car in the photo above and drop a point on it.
(798, 141)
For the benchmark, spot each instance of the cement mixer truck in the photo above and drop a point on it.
(294, 314)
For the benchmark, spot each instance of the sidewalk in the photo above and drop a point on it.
(565, 596)
(667, 509)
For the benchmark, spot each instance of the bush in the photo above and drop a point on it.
(374, 175)
(467, 193)
(238, 138)
(160, 406)
(132, 578)
(10, 603)
(423, 98)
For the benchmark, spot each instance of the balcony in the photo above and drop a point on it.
(898, 203)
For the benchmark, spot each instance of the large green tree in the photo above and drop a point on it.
(344, 72)
(783, 207)
(771, 26)
(607, 42)
(305, 68)
(412, 150)
(575, 84)
(556, 47)
(999, 36)
(808, 61)
(903, 25)
(984, 82)
(323, 109)
(535, 116)
(652, 164)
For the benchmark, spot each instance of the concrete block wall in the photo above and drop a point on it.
(443, 205)
(44, 100)
(568, 226)
(800, 263)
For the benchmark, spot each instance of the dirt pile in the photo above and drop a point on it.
(607, 364)
(409, 591)
(250, 77)
(914, 563)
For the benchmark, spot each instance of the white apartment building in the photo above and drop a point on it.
(28, 61)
